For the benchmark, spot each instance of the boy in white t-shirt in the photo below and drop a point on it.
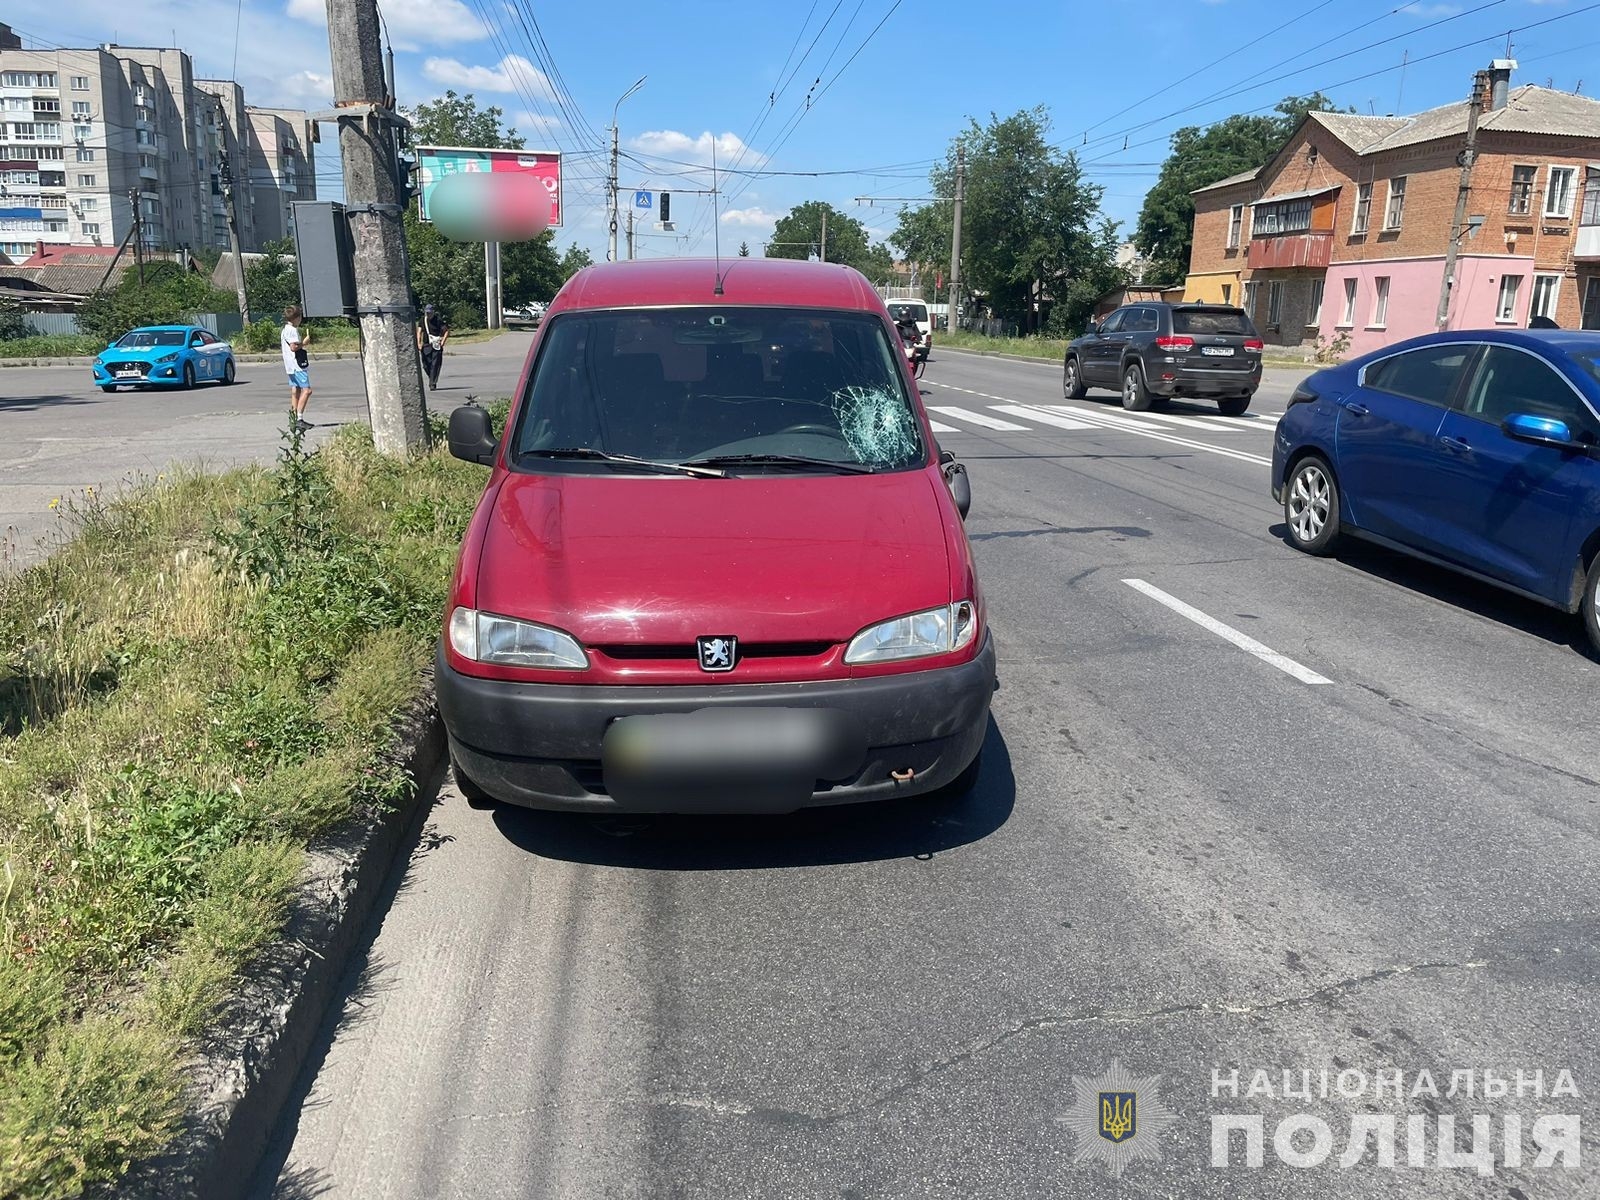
(295, 364)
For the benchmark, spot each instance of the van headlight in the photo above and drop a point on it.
(505, 641)
(936, 631)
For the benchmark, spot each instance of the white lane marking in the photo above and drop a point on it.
(1228, 633)
(1188, 443)
(1056, 419)
(1117, 420)
(941, 427)
(962, 414)
(1210, 424)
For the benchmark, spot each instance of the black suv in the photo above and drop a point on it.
(1156, 351)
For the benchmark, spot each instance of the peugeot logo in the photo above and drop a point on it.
(717, 651)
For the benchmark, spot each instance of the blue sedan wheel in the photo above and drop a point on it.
(227, 373)
(1311, 506)
(1591, 605)
(188, 375)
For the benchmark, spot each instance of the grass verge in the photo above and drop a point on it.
(205, 678)
(65, 345)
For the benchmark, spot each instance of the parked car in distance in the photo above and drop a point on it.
(529, 314)
(1153, 351)
(1475, 449)
(164, 356)
(719, 562)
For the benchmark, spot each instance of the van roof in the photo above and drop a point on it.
(745, 281)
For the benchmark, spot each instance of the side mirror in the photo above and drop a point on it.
(471, 436)
(955, 476)
(1541, 431)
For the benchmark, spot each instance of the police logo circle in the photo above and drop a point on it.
(1116, 1117)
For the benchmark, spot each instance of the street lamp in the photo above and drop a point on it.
(612, 257)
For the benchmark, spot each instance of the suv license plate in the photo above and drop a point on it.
(1217, 351)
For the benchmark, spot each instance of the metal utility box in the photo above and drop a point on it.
(325, 258)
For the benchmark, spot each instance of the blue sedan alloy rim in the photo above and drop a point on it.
(1310, 499)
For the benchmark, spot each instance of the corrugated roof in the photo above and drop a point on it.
(1528, 109)
(1241, 177)
(1357, 131)
(70, 275)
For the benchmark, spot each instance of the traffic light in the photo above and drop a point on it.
(666, 207)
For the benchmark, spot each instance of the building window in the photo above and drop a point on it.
(80, 108)
(51, 153)
(80, 83)
(1363, 208)
(1558, 192)
(1227, 293)
(1289, 216)
(85, 180)
(1506, 310)
(90, 228)
(1380, 302)
(1397, 203)
(80, 132)
(1545, 290)
(1348, 317)
(89, 203)
(85, 154)
(1275, 302)
(1591, 200)
(1250, 297)
(1235, 224)
(28, 79)
(1522, 180)
(1315, 316)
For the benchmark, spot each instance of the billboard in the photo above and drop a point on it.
(436, 162)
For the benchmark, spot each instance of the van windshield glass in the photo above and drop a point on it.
(758, 385)
(1211, 320)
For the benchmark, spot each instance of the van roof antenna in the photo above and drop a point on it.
(716, 221)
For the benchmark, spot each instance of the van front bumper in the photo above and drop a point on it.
(541, 745)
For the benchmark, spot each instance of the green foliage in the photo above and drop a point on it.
(52, 345)
(272, 284)
(11, 323)
(800, 235)
(1033, 235)
(170, 295)
(1331, 350)
(454, 120)
(1200, 157)
(574, 260)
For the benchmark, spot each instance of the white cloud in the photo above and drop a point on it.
(1417, 9)
(754, 217)
(534, 123)
(513, 73)
(412, 24)
(681, 147)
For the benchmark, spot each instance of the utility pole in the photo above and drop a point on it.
(611, 183)
(951, 322)
(377, 234)
(491, 283)
(233, 216)
(138, 234)
(1480, 82)
(824, 250)
(630, 235)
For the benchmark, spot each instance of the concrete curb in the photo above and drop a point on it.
(250, 1061)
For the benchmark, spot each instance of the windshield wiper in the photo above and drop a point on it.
(625, 460)
(779, 460)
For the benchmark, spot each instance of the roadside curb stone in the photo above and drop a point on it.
(252, 1055)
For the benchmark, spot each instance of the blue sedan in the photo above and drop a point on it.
(1476, 449)
(164, 356)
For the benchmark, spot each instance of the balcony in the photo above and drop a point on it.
(1313, 250)
(1588, 246)
(148, 171)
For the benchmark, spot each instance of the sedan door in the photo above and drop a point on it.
(1387, 440)
(1506, 505)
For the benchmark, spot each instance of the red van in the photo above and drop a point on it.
(719, 564)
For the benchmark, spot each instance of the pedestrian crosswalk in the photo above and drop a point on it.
(1013, 416)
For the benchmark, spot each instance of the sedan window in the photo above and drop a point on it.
(1430, 374)
(1513, 381)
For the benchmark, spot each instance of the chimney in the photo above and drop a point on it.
(1500, 82)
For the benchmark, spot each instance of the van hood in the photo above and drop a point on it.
(656, 560)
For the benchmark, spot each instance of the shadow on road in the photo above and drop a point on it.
(1459, 591)
(917, 827)
(33, 403)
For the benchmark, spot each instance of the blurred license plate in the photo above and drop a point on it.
(728, 759)
(1218, 351)
(130, 374)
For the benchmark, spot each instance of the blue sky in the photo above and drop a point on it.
(882, 116)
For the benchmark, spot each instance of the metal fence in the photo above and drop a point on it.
(990, 328)
(57, 324)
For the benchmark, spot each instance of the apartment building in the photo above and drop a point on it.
(88, 134)
(1345, 232)
(283, 167)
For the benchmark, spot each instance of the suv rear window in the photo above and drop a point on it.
(683, 384)
(1212, 320)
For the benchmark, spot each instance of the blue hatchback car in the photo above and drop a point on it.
(1476, 449)
(164, 356)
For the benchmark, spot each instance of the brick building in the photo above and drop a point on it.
(1345, 231)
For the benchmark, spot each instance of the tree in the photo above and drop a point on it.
(273, 283)
(744, 249)
(170, 294)
(800, 235)
(1200, 157)
(1033, 236)
(454, 120)
(574, 260)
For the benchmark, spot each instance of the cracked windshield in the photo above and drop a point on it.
(588, 611)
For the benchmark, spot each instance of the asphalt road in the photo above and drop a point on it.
(59, 434)
(1376, 853)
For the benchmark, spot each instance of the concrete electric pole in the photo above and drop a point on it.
(229, 148)
(384, 309)
(1480, 83)
(952, 321)
(822, 251)
(611, 183)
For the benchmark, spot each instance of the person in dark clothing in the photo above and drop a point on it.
(432, 334)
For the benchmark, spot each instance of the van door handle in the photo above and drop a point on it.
(1356, 410)
(1454, 443)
